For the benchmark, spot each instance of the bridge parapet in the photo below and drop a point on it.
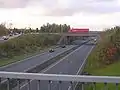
(71, 79)
(66, 38)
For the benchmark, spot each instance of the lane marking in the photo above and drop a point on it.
(83, 63)
(26, 59)
(62, 59)
(50, 58)
(69, 88)
(43, 69)
(3, 81)
(85, 59)
(54, 65)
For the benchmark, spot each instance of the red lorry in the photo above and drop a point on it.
(79, 30)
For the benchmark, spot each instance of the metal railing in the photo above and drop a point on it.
(38, 81)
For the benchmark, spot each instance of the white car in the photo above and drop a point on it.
(95, 39)
(51, 50)
(5, 37)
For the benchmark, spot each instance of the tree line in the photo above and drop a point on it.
(27, 43)
(46, 28)
(49, 28)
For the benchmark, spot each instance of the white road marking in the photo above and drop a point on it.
(3, 81)
(53, 65)
(69, 88)
(83, 63)
(48, 59)
(61, 59)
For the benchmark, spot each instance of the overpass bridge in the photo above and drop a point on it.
(73, 34)
(79, 34)
(67, 38)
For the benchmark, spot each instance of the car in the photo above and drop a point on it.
(5, 37)
(16, 33)
(95, 40)
(51, 50)
(63, 46)
(10, 34)
(85, 73)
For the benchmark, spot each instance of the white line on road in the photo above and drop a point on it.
(44, 61)
(26, 59)
(69, 88)
(3, 81)
(22, 60)
(61, 59)
(85, 60)
(53, 65)
(84, 63)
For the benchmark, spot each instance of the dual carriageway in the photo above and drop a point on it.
(70, 64)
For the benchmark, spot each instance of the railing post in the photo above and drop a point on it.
(105, 87)
(28, 84)
(18, 84)
(49, 85)
(82, 85)
(94, 85)
(72, 86)
(38, 84)
(59, 85)
(116, 86)
(8, 84)
(0, 82)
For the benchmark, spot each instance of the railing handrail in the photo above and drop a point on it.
(60, 77)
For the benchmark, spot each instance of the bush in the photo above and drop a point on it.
(3, 30)
(26, 44)
(108, 49)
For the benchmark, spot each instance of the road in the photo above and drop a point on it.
(70, 64)
(31, 62)
(14, 36)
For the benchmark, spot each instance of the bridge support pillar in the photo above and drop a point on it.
(68, 39)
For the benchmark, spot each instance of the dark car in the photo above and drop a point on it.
(10, 34)
(51, 50)
(16, 33)
(85, 73)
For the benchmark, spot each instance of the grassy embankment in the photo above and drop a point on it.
(25, 46)
(104, 59)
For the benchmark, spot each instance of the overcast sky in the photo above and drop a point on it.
(95, 14)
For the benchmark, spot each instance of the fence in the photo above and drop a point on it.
(48, 81)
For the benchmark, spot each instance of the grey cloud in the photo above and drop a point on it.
(89, 6)
(88, 9)
(61, 12)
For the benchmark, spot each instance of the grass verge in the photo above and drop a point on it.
(94, 67)
(24, 46)
(14, 59)
(110, 70)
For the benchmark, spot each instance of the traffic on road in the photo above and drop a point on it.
(70, 64)
(10, 36)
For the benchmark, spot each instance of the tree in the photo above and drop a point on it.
(37, 30)
(3, 29)
(54, 28)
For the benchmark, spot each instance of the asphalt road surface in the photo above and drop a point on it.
(71, 64)
(25, 65)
